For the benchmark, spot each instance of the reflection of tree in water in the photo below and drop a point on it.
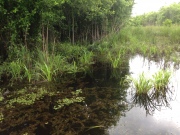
(154, 100)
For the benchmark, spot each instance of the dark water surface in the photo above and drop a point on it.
(108, 107)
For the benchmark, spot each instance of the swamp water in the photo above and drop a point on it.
(107, 107)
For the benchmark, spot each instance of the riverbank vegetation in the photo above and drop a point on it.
(60, 45)
(55, 52)
(42, 40)
(50, 49)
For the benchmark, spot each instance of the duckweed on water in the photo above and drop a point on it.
(67, 101)
(28, 98)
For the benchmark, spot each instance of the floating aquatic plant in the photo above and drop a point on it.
(25, 98)
(67, 101)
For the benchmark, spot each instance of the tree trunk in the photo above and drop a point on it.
(43, 38)
(47, 35)
(73, 27)
(25, 37)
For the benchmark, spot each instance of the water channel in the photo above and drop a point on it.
(163, 120)
(108, 108)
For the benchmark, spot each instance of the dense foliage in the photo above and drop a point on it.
(165, 16)
(50, 21)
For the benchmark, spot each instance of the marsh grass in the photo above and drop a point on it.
(151, 40)
(28, 73)
(46, 71)
(72, 68)
(161, 79)
(48, 66)
(86, 59)
(15, 69)
(115, 59)
(142, 85)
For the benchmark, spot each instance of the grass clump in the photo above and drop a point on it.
(142, 85)
(86, 59)
(115, 60)
(161, 79)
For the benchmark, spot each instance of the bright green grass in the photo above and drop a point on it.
(142, 85)
(161, 79)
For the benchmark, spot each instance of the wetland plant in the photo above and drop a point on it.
(76, 98)
(161, 79)
(28, 73)
(46, 70)
(48, 66)
(72, 68)
(27, 97)
(142, 85)
(86, 58)
(15, 69)
(115, 60)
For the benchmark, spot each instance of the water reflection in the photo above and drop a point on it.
(154, 100)
(156, 112)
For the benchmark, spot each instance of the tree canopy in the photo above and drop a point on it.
(171, 12)
(45, 21)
